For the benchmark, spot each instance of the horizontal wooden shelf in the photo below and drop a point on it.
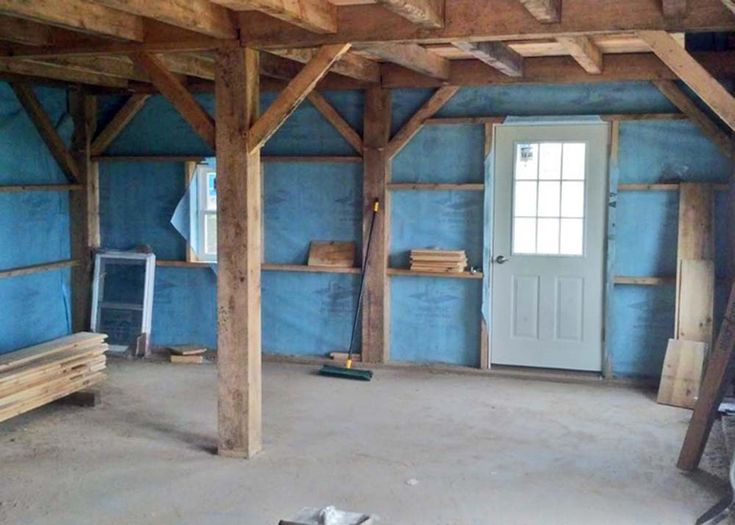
(17, 188)
(199, 158)
(449, 275)
(430, 186)
(182, 264)
(644, 281)
(35, 268)
(304, 268)
(674, 186)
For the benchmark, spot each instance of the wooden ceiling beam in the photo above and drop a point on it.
(585, 52)
(60, 72)
(121, 119)
(319, 16)
(488, 20)
(413, 57)
(730, 4)
(351, 65)
(686, 105)
(545, 11)
(425, 13)
(177, 94)
(79, 15)
(674, 9)
(693, 74)
(25, 32)
(200, 16)
(496, 55)
(293, 94)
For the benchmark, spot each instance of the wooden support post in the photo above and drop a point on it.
(239, 252)
(376, 301)
(83, 208)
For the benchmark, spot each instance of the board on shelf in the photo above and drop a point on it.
(332, 254)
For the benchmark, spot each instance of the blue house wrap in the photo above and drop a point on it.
(432, 319)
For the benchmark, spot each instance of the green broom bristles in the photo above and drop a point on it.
(346, 373)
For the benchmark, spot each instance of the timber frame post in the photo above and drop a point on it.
(239, 251)
(377, 166)
(83, 207)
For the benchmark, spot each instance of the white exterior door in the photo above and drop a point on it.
(548, 245)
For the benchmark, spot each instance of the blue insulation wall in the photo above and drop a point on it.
(34, 226)
(432, 319)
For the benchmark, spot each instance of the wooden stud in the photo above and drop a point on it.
(121, 119)
(293, 94)
(239, 252)
(319, 16)
(692, 73)
(495, 54)
(376, 301)
(707, 126)
(413, 57)
(545, 11)
(79, 15)
(335, 119)
(178, 95)
(48, 132)
(584, 51)
(416, 122)
(425, 13)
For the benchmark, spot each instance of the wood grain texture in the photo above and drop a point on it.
(413, 57)
(350, 65)
(425, 13)
(35, 268)
(496, 55)
(332, 254)
(319, 16)
(585, 52)
(681, 375)
(545, 11)
(695, 300)
(121, 119)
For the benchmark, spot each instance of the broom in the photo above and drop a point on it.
(347, 371)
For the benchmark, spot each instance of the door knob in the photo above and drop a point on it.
(500, 259)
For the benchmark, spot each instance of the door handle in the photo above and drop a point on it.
(500, 259)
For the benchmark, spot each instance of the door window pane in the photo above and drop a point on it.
(548, 198)
(574, 161)
(524, 236)
(572, 237)
(550, 161)
(572, 199)
(526, 162)
(525, 198)
(548, 237)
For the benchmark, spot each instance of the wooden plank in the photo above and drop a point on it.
(717, 377)
(425, 13)
(301, 268)
(293, 94)
(121, 119)
(413, 57)
(17, 188)
(187, 349)
(198, 158)
(336, 120)
(200, 16)
(455, 275)
(730, 4)
(416, 122)
(674, 10)
(79, 15)
(430, 186)
(696, 221)
(648, 187)
(585, 52)
(332, 254)
(187, 359)
(644, 281)
(376, 301)
(54, 71)
(47, 131)
(707, 126)
(39, 351)
(496, 55)
(35, 268)
(239, 254)
(176, 93)
(49, 367)
(695, 300)
(319, 16)
(681, 375)
(692, 74)
(545, 11)
(25, 32)
(350, 65)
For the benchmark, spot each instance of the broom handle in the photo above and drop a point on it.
(376, 207)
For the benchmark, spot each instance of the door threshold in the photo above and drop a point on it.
(550, 374)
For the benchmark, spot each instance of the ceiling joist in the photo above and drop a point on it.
(425, 13)
(350, 65)
(674, 9)
(496, 55)
(319, 16)
(545, 11)
(413, 57)
(584, 51)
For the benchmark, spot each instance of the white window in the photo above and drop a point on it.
(549, 198)
(204, 234)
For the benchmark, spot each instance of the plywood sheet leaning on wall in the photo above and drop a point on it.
(696, 298)
(682, 373)
(333, 254)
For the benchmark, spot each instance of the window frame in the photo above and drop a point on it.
(198, 219)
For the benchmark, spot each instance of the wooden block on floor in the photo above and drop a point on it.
(333, 254)
(342, 356)
(83, 398)
(187, 359)
(187, 350)
(681, 376)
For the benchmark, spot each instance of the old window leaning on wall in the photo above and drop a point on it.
(204, 218)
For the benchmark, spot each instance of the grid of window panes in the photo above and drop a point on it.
(208, 213)
(549, 198)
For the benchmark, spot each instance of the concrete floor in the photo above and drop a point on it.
(412, 447)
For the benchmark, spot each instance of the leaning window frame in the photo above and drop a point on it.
(198, 224)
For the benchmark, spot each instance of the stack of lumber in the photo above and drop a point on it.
(40, 374)
(438, 261)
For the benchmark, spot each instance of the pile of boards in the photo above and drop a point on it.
(187, 354)
(438, 261)
(40, 374)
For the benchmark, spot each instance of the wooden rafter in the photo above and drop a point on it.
(200, 16)
(413, 57)
(416, 122)
(693, 74)
(496, 55)
(585, 52)
(171, 88)
(293, 94)
(335, 119)
(545, 11)
(48, 132)
(687, 106)
(60, 72)
(351, 65)
(319, 16)
(730, 4)
(426, 13)
(80, 15)
(121, 119)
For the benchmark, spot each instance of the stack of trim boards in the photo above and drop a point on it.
(438, 261)
(40, 374)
